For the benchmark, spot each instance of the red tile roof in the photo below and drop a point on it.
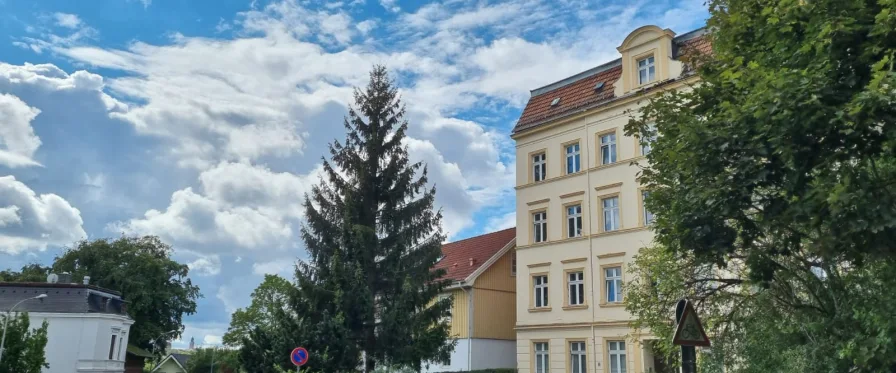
(457, 255)
(578, 92)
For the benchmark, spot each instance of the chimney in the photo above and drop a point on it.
(65, 278)
(86, 280)
(472, 261)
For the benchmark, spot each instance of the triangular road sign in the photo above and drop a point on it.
(689, 331)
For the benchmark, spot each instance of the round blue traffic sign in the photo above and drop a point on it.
(299, 356)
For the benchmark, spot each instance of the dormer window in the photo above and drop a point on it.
(646, 70)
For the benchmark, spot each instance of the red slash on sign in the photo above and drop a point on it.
(299, 356)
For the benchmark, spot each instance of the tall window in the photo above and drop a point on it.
(608, 148)
(617, 356)
(613, 278)
(540, 226)
(542, 356)
(574, 221)
(446, 318)
(539, 167)
(112, 347)
(120, 343)
(648, 216)
(573, 163)
(647, 140)
(646, 70)
(576, 288)
(611, 213)
(513, 264)
(577, 357)
(541, 291)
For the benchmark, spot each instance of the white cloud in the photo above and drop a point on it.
(390, 5)
(17, 139)
(67, 20)
(280, 266)
(205, 265)
(31, 221)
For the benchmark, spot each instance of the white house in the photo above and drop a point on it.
(88, 325)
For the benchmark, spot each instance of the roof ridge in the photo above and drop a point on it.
(481, 235)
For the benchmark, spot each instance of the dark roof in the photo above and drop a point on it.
(61, 298)
(578, 92)
(181, 358)
(137, 351)
(457, 255)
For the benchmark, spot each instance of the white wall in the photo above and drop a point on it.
(493, 354)
(80, 341)
(458, 359)
(487, 354)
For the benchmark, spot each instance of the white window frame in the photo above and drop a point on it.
(616, 354)
(539, 167)
(574, 221)
(540, 288)
(648, 69)
(540, 226)
(610, 213)
(648, 216)
(578, 358)
(576, 288)
(608, 148)
(646, 142)
(112, 341)
(613, 280)
(542, 357)
(513, 264)
(573, 158)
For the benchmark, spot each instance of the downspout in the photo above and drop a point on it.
(591, 257)
(470, 329)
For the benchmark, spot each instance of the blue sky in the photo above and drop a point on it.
(203, 122)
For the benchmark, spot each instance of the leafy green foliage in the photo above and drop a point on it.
(773, 182)
(157, 288)
(213, 360)
(372, 238)
(29, 273)
(24, 348)
(269, 296)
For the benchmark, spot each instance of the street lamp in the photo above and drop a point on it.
(154, 345)
(6, 321)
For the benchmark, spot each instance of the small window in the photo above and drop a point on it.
(574, 221)
(541, 290)
(112, 347)
(608, 148)
(539, 167)
(542, 355)
(611, 213)
(446, 319)
(648, 139)
(513, 264)
(555, 101)
(646, 70)
(577, 358)
(540, 226)
(648, 216)
(573, 163)
(613, 286)
(120, 343)
(576, 288)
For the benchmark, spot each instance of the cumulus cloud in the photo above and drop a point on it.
(67, 20)
(17, 139)
(31, 221)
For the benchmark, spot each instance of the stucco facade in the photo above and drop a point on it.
(557, 331)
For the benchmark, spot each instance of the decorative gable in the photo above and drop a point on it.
(646, 59)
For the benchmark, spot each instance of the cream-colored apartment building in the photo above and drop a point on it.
(580, 217)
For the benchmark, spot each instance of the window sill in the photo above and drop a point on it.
(612, 305)
(540, 309)
(576, 307)
(619, 231)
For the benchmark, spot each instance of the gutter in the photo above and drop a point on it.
(470, 310)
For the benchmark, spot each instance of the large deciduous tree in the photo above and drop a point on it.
(773, 182)
(24, 349)
(368, 286)
(156, 288)
(267, 298)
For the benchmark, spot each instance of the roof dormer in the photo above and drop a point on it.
(646, 59)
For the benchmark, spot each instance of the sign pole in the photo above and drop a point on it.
(688, 359)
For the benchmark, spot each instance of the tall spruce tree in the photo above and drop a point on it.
(368, 286)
